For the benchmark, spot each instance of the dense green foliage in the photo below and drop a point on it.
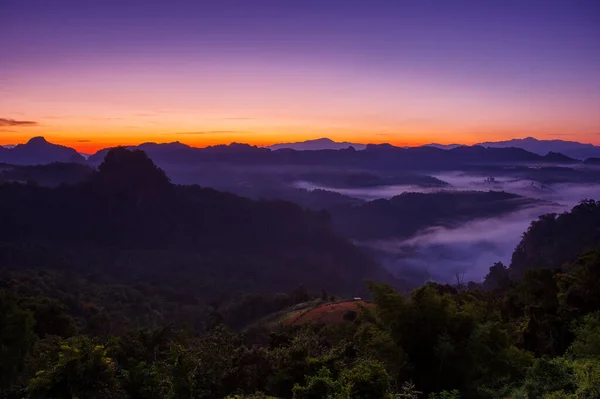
(554, 239)
(538, 337)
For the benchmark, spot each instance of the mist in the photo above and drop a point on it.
(441, 253)
(565, 194)
(371, 193)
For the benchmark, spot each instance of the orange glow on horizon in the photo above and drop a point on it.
(93, 143)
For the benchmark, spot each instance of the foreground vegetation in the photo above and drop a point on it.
(536, 338)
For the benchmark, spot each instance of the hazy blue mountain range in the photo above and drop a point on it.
(37, 151)
(318, 144)
(571, 149)
(381, 156)
(374, 156)
(444, 146)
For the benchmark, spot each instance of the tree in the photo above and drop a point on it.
(454, 394)
(497, 278)
(81, 369)
(367, 379)
(16, 339)
(318, 386)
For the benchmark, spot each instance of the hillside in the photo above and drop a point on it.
(571, 149)
(556, 239)
(128, 222)
(404, 215)
(327, 313)
(91, 300)
(317, 144)
(373, 157)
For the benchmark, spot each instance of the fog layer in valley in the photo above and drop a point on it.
(440, 253)
(469, 249)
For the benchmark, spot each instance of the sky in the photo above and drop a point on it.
(96, 73)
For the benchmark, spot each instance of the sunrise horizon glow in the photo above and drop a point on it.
(102, 74)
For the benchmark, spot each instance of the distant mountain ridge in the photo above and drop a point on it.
(378, 156)
(318, 144)
(443, 146)
(37, 151)
(571, 149)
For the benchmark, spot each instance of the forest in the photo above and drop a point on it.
(88, 308)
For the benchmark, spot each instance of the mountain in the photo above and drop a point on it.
(317, 144)
(182, 154)
(556, 157)
(127, 222)
(443, 146)
(408, 213)
(554, 240)
(571, 149)
(37, 151)
(374, 157)
(592, 161)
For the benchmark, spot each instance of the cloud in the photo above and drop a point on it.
(469, 249)
(84, 141)
(13, 122)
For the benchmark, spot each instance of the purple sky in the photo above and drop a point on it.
(262, 71)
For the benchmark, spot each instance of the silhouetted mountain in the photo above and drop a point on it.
(38, 151)
(181, 154)
(317, 144)
(443, 146)
(128, 222)
(592, 161)
(373, 157)
(379, 157)
(406, 214)
(553, 240)
(571, 149)
(555, 157)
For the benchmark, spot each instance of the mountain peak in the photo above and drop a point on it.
(37, 140)
(323, 143)
(38, 151)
